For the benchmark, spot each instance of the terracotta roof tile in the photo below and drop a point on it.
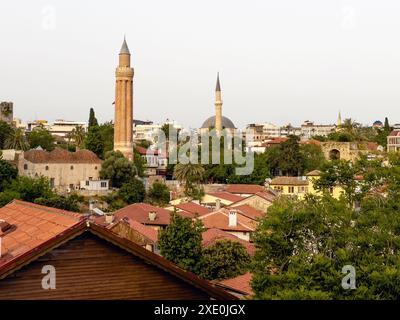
(220, 220)
(250, 212)
(226, 196)
(193, 208)
(32, 225)
(59, 155)
(211, 236)
(292, 181)
(140, 212)
(240, 283)
(244, 188)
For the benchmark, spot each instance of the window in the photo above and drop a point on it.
(71, 186)
(25, 167)
(90, 178)
(87, 182)
(291, 189)
(95, 168)
(72, 167)
(103, 184)
(47, 168)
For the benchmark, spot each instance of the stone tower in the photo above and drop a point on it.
(339, 121)
(218, 107)
(124, 104)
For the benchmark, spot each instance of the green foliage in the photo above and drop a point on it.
(5, 131)
(117, 168)
(302, 247)
(223, 260)
(159, 194)
(7, 196)
(180, 242)
(94, 141)
(138, 164)
(17, 140)
(69, 203)
(31, 188)
(132, 191)
(107, 135)
(92, 119)
(191, 175)
(7, 173)
(41, 137)
(312, 157)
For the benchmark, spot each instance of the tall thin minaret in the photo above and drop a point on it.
(339, 120)
(218, 107)
(123, 135)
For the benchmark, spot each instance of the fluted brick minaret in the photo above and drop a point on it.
(218, 107)
(124, 104)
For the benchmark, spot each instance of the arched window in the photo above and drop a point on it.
(47, 168)
(72, 167)
(25, 166)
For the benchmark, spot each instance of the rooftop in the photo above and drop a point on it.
(244, 188)
(59, 155)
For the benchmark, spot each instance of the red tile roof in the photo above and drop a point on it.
(226, 196)
(395, 133)
(244, 188)
(220, 220)
(212, 235)
(193, 208)
(240, 284)
(291, 181)
(267, 195)
(143, 151)
(249, 212)
(59, 155)
(31, 226)
(147, 232)
(140, 212)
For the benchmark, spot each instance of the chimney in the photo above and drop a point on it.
(152, 215)
(109, 218)
(217, 204)
(232, 218)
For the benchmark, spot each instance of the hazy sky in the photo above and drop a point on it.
(279, 61)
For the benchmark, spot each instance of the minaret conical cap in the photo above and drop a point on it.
(218, 86)
(124, 48)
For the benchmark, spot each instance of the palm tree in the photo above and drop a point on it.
(189, 173)
(78, 134)
(17, 140)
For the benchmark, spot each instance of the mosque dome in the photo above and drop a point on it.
(210, 122)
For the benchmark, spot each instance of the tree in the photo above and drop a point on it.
(94, 141)
(107, 136)
(302, 247)
(7, 173)
(313, 157)
(30, 189)
(191, 175)
(132, 191)
(78, 135)
(223, 260)
(180, 242)
(17, 140)
(338, 173)
(5, 131)
(41, 137)
(286, 158)
(387, 125)
(117, 168)
(159, 193)
(69, 203)
(92, 119)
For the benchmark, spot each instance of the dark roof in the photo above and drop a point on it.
(210, 122)
(59, 155)
(46, 245)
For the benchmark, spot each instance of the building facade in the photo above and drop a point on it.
(64, 169)
(393, 141)
(6, 112)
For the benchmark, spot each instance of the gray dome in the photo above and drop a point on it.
(210, 122)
